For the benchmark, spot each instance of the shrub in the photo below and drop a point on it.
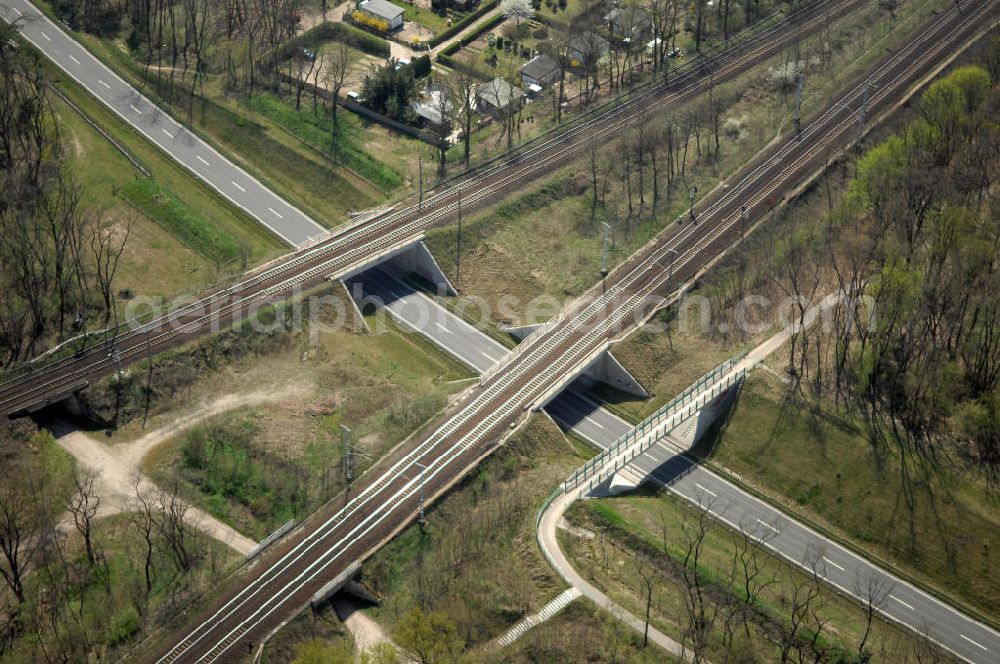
(421, 66)
(468, 20)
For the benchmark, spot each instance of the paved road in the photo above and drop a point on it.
(903, 603)
(232, 182)
(471, 346)
(417, 311)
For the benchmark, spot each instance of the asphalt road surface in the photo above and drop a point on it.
(803, 546)
(899, 601)
(232, 182)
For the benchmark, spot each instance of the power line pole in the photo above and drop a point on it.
(604, 255)
(421, 515)
(420, 176)
(743, 220)
(458, 250)
(862, 112)
(345, 437)
(692, 192)
(799, 83)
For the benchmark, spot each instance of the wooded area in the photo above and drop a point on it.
(57, 263)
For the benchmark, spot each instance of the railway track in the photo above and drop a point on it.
(389, 493)
(37, 385)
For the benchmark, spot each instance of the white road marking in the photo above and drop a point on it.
(593, 421)
(47, 38)
(978, 645)
(442, 327)
(902, 602)
(167, 133)
(238, 186)
(73, 58)
(132, 106)
(833, 563)
(767, 525)
(275, 213)
(104, 84)
(201, 159)
(18, 11)
(711, 493)
(487, 355)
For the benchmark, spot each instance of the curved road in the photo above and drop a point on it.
(232, 182)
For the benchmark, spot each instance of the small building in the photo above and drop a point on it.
(499, 98)
(587, 49)
(435, 110)
(383, 10)
(542, 71)
(464, 5)
(628, 23)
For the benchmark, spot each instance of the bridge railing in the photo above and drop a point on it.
(651, 422)
(617, 463)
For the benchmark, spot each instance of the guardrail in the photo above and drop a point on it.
(270, 539)
(609, 469)
(652, 421)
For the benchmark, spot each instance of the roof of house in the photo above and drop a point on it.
(433, 107)
(628, 19)
(590, 43)
(382, 8)
(541, 67)
(499, 93)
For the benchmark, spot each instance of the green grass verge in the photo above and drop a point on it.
(317, 132)
(937, 525)
(180, 220)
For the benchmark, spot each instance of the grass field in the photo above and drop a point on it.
(255, 468)
(179, 246)
(631, 533)
(939, 524)
(322, 188)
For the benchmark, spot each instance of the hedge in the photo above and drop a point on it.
(341, 32)
(464, 23)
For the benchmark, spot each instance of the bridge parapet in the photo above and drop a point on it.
(667, 418)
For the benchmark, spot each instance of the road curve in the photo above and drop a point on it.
(232, 182)
(387, 497)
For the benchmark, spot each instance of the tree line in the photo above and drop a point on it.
(58, 260)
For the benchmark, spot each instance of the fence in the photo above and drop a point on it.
(654, 420)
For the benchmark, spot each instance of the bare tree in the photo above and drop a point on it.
(701, 611)
(335, 71)
(873, 590)
(107, 244)
(83, 506)
(462, 86)
(25, 522)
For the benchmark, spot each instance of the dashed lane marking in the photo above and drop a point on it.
(442, 327)
(833, 563)
(132, 106)
(202, 159)
(275, 213)
(235, 184)
(767, 525)
(978, 645)
(910, 607)
(73, 58)
(711, 493)
(104, 84)
(47, 38)
(167, 133)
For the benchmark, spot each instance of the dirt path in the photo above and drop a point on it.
(366, 632)
(134, 452)
(115, 484)
(117, 467)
